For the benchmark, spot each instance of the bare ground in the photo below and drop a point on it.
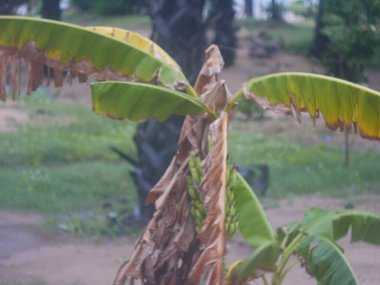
(29, 252)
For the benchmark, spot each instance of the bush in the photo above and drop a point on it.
(352, 39)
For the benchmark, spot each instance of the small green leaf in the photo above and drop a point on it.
(254, 225)
(325, 261)
(263, 257)
(139, 101)
(335, 225)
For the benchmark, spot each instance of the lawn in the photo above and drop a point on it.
(130, 22)
(60, 161)
(297, 37)
(303, 160)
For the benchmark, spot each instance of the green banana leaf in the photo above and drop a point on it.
(70, 46)
(335, 225)
(262, 258)
(325, 261)
(340, 102)
(137, 41)
(139, 101)
(254, 225)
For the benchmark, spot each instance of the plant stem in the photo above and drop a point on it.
(288, 251)
(286, 271)
(190, 90)
(346, 148)
(233, 100)
(265, 281)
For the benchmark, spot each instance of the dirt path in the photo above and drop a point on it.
(29, 252)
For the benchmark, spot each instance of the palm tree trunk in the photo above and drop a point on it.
(320, 40)
(249, 8)
(275, 11)
(225, 31)
(51, 10)
(179, 28)
(9, 7)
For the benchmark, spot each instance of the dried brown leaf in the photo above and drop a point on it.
(214, 62)
(168, 241)
(36, 59)
(265, 104)
(211, 68)
(213, 189)
(216, 96)
(162, 184)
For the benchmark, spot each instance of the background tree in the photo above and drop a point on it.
(222, 16)
(9, 7)
(320, 39)
(180, 28)
(352, 36)
(346, 39)
(51, 10)
(248, 8)
(275, 10)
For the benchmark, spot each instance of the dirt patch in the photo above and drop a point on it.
(28, 251)
(56, 258)
(11, 117)
(77, 93)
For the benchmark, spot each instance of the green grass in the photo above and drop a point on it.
(30, 282)
(60, 162)
(298, 38)
(297, 168)
(130, 22)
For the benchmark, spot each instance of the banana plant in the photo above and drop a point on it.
(310, 243)
(201, 200)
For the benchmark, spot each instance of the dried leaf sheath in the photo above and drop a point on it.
(213, 188)
(168, 248)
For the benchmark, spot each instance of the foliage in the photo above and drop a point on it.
(310, 243)
(275, 10)
(352, 36)
(303, 8)
(250, 110)
(176, 246)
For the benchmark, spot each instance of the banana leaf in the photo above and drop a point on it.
(137, 41)
(78, 51)
(139, 101)
(364, 226)
(254, 225)
(325, 261)
(339, 101)
(262, 259)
